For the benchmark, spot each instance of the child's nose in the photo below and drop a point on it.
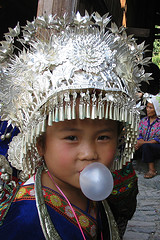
(88, 152)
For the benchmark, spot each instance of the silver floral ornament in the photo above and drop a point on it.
(89, 53)
(15, 150)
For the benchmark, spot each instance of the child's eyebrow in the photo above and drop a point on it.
(65, 129)
(69, 129)
(105, 130)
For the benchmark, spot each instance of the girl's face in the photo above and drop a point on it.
(150, 110)
(72, 145)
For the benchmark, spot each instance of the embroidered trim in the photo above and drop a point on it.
(124, 188)
(5, 205)
(126, 173)
(56, 202)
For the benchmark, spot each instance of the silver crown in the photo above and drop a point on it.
(59, 61)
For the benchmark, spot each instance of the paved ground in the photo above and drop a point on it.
(145, 224)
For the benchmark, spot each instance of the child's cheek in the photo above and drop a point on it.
(65, 156)
(110, 157)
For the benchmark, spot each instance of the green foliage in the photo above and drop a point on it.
(156, 52)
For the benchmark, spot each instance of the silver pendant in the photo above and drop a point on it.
(3, 137)
(8, 135)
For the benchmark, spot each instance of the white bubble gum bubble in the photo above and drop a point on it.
(96, 181)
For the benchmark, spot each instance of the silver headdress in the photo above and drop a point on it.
(60, 61)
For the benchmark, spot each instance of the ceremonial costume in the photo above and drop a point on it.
(23, 212)
(23, 203)
(148, 132)
(68, 71)
(59, 211)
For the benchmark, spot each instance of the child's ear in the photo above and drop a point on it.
(40, 146)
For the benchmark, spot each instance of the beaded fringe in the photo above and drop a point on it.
(89, 106)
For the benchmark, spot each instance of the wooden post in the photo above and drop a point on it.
(58, 7)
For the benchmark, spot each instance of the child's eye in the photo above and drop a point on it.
(71, 138)
(102, 138)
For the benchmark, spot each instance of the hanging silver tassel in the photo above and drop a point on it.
(136, 126)
(99, 105)
(88, 113)
(73, 111)
(81, 116)
(126, 115)
(115, 112)
(40, 127)
(81, 106)
(100, 112)
(103, 109)
(84, 110)
(132, 155)
(107, 107)
(38, 130)
(127, 137)
(53, 115)
(61, 113)
(122, 114)
(50, 119)
(69, 114)
(124, 160)
(94, 107)
(110, 111)
(74, 94)
(130, 117)
(132, 125)
(94, 112)
(88, 106)
(67, 101)
(65, 111)
(43, 129)
(115, 165)
(56, 115)
(61, 108)
(121, 164)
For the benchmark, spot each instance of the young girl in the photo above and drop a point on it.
(72, 93)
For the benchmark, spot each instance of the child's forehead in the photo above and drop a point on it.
(90, 123)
